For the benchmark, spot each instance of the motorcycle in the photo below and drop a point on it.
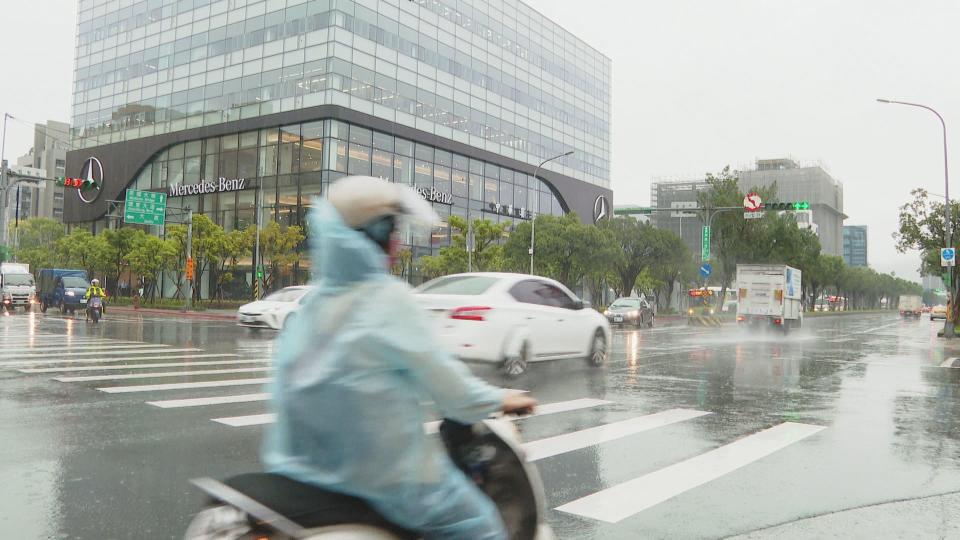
(271, 506)
(95, 308)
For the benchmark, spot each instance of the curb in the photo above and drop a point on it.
(174, 313)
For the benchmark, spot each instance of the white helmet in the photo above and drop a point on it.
(360, 200)
(95, 281)
(371, 205)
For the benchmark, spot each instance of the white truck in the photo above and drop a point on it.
(17, 287)
(911, 306)
(770, 295)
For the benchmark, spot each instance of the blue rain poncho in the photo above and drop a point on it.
(356, 372)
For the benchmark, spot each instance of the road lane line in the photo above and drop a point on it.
(619, 502)
(112, 360)
(584, 438)
(948, 363)
(94, 353)
(113, 377)
(217, 400)
(182, 386)
(141, 366)
(542, 410)
(429, 427)
(874, 329)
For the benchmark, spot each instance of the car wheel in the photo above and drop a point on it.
(650, 324)
(516, 365)
(598, 349)
(43, 307)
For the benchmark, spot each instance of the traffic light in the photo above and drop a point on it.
(67, 181)
(788, 206)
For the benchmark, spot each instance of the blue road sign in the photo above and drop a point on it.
(948, 257)
(706, 269)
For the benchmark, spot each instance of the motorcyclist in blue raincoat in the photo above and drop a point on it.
(358, 369)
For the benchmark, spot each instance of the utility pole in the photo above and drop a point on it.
(258, 285)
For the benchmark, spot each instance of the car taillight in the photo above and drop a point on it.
(469, 313)
(741, 318)
(778, 321)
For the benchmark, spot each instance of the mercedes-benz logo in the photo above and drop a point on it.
(600, 209)
(92, 172)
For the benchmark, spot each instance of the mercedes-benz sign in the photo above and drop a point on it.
(92, 173)
(601, 209)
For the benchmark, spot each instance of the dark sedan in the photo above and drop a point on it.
(636, 311)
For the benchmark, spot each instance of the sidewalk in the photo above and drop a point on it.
(209, 315)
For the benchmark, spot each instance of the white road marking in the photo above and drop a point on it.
(113, 377)
(60, 349)
(874, 329)
(624, 500)
(141, 366)
(217, 400)
(95, 353)
(584, 438)
(252, 420)
(429, 427)
(72, 362)
(542, 410)
(948, 363)
(181, 386)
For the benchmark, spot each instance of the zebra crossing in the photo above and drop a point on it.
(177, 380)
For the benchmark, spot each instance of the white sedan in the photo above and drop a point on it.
(274, 310)
(514, 319)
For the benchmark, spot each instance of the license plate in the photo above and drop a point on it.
(246, 318)
(83, 300)
(618, 318)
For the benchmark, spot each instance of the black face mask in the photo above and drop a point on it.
(380, 230)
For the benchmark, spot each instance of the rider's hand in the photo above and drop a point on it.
(518, 403)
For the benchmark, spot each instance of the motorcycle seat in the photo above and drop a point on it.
(309, 506)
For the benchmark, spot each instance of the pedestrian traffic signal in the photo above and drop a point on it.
(787, 206)
(260, 273)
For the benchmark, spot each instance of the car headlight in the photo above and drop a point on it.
(635, 313)
(711, 311)
(606, 312)
(690, 311)
(70, 293)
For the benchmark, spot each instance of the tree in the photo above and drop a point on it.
(225, 251)
(737, 240)
(453, 259)
(400, 266)
(120, 242)
(640, 245)
(922, 228)
(37, 242)
(278, 246)
(80, 249)
(674, 265)
(149, 257)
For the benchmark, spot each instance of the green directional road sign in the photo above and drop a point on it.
(705, 245)
(145, 207)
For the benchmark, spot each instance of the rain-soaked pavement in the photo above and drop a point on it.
(848, 428)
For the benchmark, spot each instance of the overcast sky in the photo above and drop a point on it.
(697, 84)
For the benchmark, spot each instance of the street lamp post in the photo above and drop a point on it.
(533, 222)
(3, 179)
(948, 331)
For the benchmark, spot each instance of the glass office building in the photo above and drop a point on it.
(462, 98)
(855, 245)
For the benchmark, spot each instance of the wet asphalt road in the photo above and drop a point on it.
(711, 432)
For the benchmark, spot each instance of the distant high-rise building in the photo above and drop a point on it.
(679, 196)
(49, 153)
(855, 245)
(812, 184)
